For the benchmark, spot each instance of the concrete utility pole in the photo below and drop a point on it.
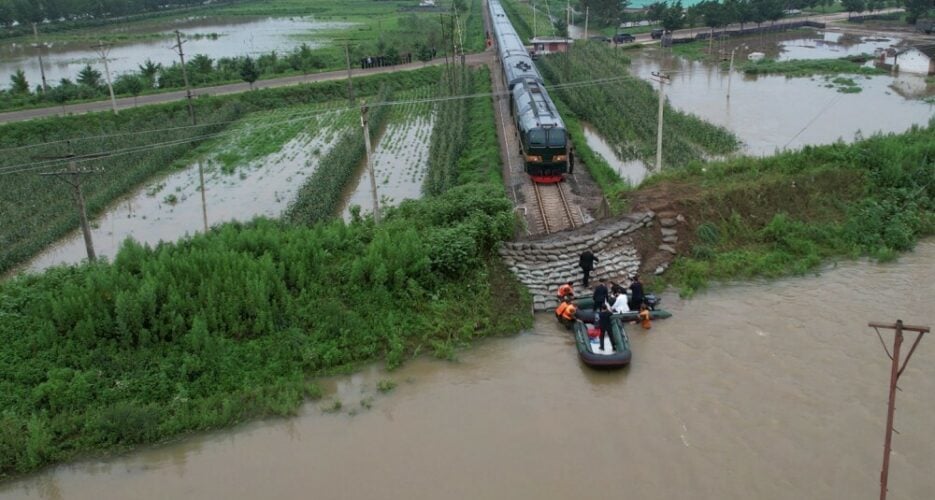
(663, 79)
(535, 24)
(102, 50)
(730, 71)
(587, 13)
(895, 373)
(188, 89)
(73, 177)
(365, 124)
(35, 34)
(567, 20)
(350, 81)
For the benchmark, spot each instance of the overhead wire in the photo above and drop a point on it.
(102, 155)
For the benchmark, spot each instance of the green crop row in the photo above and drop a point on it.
(321, 195)
(624, 109)
(229, 325)
(35, 211)
(808, 67)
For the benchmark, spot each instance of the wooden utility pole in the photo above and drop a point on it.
(365, 124)
(103, 50)
(73, 177)
(663, 79)
(895, 373)
(350, 81)
(35, 34)
(188, 89)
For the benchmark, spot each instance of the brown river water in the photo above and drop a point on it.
(773, 390)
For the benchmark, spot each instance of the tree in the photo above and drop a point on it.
(248, 71)
(28, 11)
(916, 9)
(603, 12)
(6, 14)
(656, 11)
(89, 77)
(129, 84)
(424, 53)
(853, 6)
(18, 83)
(674, 17)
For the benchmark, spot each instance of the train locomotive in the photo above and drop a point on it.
(543, 140)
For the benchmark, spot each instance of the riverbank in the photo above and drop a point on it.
(738, 395)
(787, 214)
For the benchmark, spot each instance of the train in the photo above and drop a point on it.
(543, 141)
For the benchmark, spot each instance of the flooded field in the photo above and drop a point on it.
(768, 390)
(633, 171)
(770, 113)
(237, 188)
(215, 37)
(400, 160)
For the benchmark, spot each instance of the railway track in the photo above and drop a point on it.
(555, 214)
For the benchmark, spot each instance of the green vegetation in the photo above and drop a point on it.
(809, 67)
(384, 28)
(36, 211)
(386, 385)
(787, 214)
(624, 108)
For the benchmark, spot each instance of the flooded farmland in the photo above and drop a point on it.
(400, 161)
(237, 188)
(632, 171)
(773, 112)
(740, 395)
(215, 37)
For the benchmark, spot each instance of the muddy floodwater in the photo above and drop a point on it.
(215, 37)
(758, 391)
(400, 162)
(168, 208)
(770, 113)
(633, 171)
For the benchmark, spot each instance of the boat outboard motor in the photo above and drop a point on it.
(651, 301)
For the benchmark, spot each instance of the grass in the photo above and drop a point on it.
(809, 67)
(790, 213)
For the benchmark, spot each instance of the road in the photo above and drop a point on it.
(233, 88)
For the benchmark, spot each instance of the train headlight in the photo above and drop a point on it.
(534, 158)
(560, 158)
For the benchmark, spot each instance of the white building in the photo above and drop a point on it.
(919, 59)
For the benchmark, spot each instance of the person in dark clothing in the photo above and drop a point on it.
(636, 294)
(586, 263)
(600, 296)
(605, 322)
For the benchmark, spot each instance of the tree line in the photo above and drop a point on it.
(37, 11)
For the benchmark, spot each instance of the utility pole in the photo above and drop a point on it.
(365, 124)
(102, 50)
(188, 89)
(35, 34)
(663, 79)
(730, 71)
(73, 177)
(535, 23)
(350, 81)
(567, 19)
(191, 114)
(895, 373)
(587, 12)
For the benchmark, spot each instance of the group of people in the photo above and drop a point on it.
(607, 300)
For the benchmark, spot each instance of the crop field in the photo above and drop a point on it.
(253, 169)
(400, 159)
(624, 108)
(139, 143)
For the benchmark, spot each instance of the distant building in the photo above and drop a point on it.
(427, 3)
(918, 59)
(542, 45)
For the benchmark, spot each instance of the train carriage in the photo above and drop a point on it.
(543, 141)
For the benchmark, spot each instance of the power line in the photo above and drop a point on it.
(25, 167)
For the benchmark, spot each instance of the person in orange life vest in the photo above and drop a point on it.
(566, 290)
(567, 314)
(644, 317)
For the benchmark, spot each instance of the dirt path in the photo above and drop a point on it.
(233, 88)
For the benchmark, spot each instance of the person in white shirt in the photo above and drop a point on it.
(620, 304)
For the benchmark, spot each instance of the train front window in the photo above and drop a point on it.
(557, 138)
(537, 137)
